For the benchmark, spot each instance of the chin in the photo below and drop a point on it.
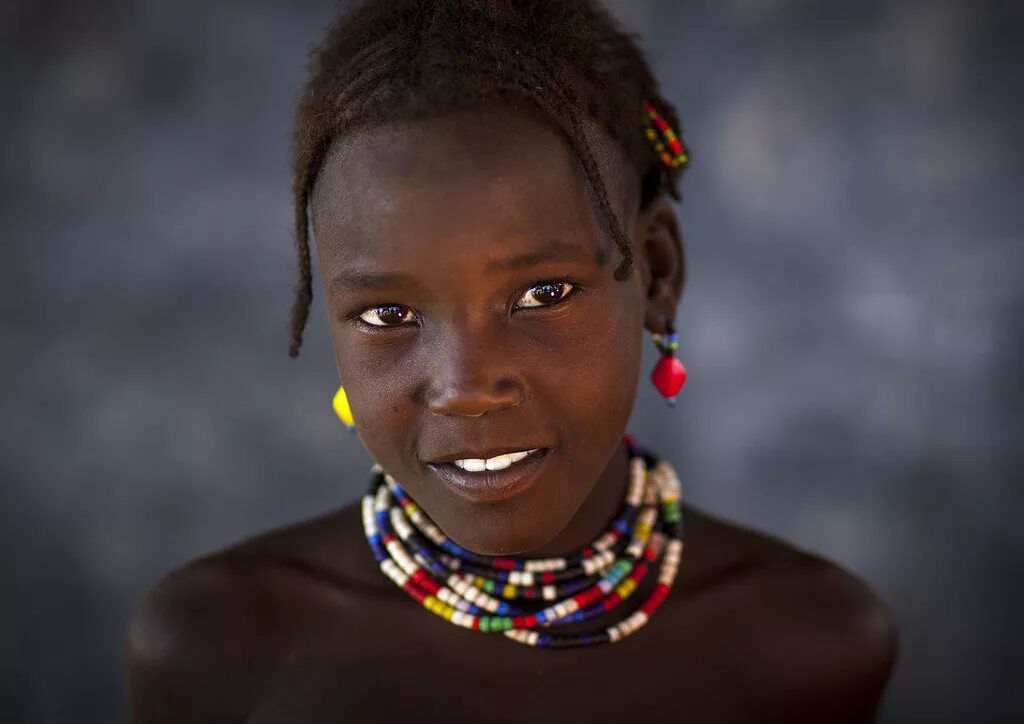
(506, 540)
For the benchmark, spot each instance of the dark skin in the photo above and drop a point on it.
(299, 624)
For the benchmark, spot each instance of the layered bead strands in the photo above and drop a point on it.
(527, 599)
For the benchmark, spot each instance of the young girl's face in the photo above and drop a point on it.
(474, 313)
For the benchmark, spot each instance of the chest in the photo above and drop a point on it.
(414, 667)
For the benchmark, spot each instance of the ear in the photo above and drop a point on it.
(658, 246)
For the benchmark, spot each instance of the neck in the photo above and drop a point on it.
(597, 512)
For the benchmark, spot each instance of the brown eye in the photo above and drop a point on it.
(544, 294)
(387, 315)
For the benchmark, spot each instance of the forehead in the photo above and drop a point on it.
(490, 172)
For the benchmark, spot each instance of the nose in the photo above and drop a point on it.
(472, 375)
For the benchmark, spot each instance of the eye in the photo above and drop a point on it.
(387, 315)
(545, 294)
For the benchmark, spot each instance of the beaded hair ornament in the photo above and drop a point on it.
(665, 140)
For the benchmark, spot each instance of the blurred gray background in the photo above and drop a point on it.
(852, 325)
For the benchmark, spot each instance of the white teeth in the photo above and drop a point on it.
(498, 462)
(473, 465)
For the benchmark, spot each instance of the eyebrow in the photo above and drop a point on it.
(357, 279)
(360, 279)
(555, 250)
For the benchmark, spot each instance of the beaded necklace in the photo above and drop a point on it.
(524, 598)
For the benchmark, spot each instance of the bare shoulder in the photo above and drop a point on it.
(810, 630)
(207, 638)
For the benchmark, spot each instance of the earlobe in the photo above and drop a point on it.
(659, 245)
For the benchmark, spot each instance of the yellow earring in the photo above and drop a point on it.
(342, 409)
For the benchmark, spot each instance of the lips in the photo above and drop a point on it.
(483, 477)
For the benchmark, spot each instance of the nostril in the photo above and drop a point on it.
(475, 404)
(464, 414)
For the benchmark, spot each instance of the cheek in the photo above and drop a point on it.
(597, 379)
(376, 379)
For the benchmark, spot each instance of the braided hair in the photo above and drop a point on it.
(401, 60)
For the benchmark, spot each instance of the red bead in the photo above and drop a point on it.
(612, 601)
(410, 588)
(669, 376)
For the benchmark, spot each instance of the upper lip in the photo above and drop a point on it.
(479, 454)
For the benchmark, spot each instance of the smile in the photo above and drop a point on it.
(492, 479)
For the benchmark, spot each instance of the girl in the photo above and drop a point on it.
(489, 184)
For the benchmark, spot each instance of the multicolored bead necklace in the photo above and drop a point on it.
(524, 598)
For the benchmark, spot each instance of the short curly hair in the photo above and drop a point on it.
(401, 60)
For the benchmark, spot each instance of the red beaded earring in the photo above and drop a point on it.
(668, 375)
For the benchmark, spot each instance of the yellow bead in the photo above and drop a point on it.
(342, 409)
(509, 591)
(625, 588)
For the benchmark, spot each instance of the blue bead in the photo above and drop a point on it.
(379, 552)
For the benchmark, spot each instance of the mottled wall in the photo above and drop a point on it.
(852, 323)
